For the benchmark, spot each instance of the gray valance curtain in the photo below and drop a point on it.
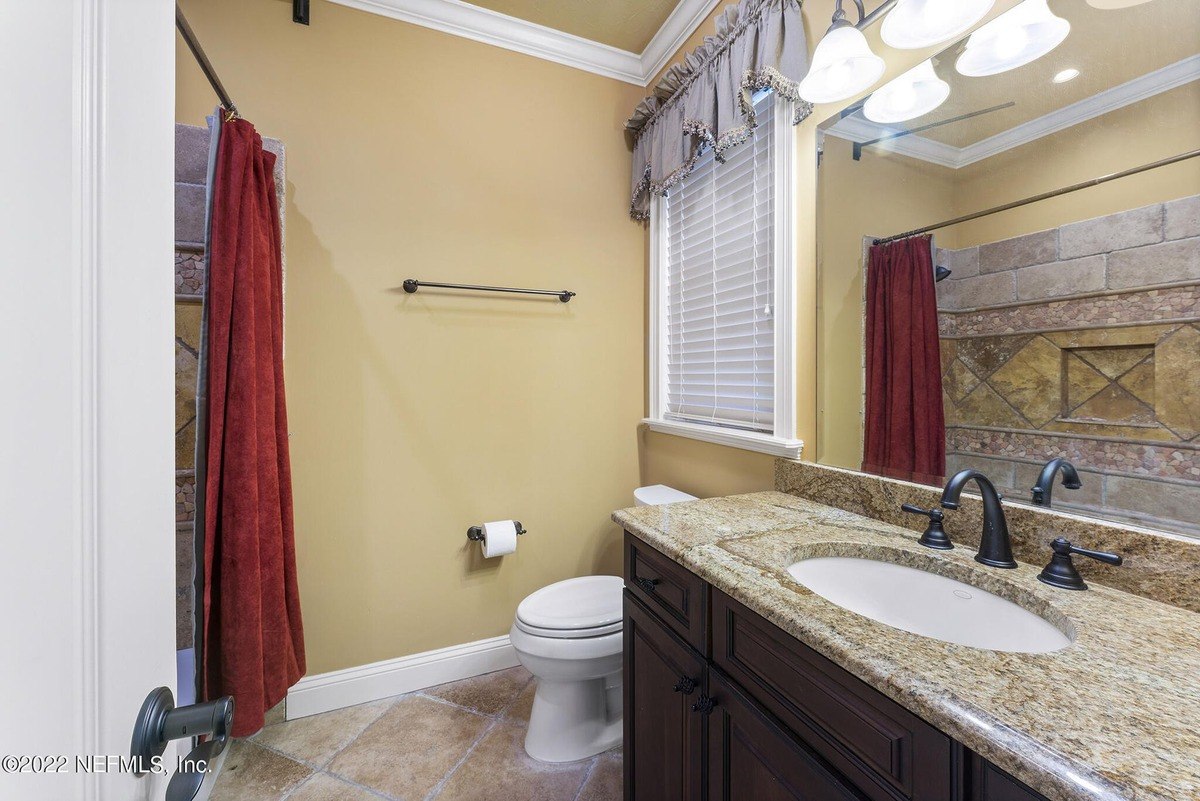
(706, 100)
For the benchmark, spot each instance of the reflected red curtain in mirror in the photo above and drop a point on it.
(905, 428)
(253, 639)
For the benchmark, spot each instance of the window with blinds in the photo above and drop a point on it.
(719, 348)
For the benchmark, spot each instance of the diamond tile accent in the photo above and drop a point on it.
(1031, 381)
(1177, 365)
(1114, 404)
(984, 407)
(1115, 362)
(985, 355)
(1140, 381)
(1082, 382)
(959, 381)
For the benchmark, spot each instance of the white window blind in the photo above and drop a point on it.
(720, 336)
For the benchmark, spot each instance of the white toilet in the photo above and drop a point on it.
(568, 635)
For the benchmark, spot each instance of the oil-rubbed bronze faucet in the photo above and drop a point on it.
(1045, 483)
(995, 546)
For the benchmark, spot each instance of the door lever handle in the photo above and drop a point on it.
(160, 721)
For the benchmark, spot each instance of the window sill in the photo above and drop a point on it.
(746, 440)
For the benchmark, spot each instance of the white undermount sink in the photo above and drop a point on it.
(928, 604)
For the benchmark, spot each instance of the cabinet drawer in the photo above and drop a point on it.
(887, 751)
(675, 594)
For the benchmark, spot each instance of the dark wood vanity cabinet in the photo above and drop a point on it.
(722, 705)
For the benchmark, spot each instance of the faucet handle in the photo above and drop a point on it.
(1061, 571)
(935, 535)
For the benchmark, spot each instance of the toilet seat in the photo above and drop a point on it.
(589, 606)
(567, 634)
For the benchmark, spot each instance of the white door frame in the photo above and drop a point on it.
(86, 413)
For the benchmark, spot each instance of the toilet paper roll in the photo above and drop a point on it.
(499, 538)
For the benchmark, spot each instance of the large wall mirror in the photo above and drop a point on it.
(1067, 327)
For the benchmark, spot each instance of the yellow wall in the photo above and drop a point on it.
(1164, 125)
(411, 153)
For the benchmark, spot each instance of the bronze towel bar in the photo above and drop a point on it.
(411, 285)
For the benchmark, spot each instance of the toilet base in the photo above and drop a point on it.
(573, 720)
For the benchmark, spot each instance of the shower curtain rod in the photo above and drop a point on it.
(1043, 196)
(206, 66)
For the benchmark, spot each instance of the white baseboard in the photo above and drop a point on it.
(358, 685)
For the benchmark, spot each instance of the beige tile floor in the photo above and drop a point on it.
(457, 742)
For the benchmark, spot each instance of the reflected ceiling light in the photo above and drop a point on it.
(1020, 35)
(912, 24)
(843, 64)
(1106, 5)
(916, 92)
(1066, 75)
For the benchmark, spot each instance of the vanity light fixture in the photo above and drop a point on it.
(1068, 74)
(843, 64)
(913, 24)
(1020, 35)
(916, 92)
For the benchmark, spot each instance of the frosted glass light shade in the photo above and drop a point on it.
(916, 92)
(914, 24)
(842, 66)
(1020, 35)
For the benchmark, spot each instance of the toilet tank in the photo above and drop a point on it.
(658, 494)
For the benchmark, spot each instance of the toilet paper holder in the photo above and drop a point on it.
(475, 533)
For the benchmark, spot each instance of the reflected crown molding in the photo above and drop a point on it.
(512, 33)
(925, 149)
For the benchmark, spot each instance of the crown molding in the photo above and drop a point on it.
(1099, 104)
(511, 33)
(491, 27)
(675, 30)
(1152, 83)
(856, 129)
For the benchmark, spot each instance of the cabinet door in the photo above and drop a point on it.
(989, 783)
(663, 678)
(752, 758)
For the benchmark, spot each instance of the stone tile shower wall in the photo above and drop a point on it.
(191, 166)
(1082, 341)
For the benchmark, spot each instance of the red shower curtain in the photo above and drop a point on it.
(253, 639)
(905, 430)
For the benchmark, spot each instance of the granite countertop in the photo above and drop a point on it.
(1116, 715)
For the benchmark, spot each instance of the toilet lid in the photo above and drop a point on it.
(574, 605)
